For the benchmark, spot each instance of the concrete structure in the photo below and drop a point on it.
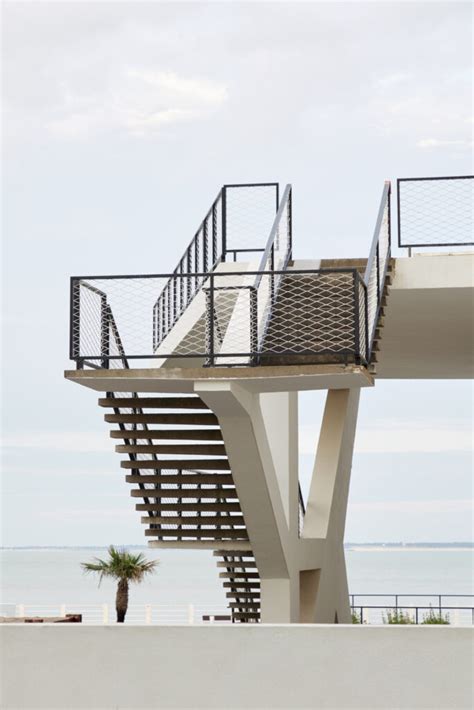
(335, 325)
(56, 667)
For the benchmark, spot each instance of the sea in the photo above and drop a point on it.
(186, 585)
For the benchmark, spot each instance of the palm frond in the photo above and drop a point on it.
(121, 564)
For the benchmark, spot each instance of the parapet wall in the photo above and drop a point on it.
(265, 666)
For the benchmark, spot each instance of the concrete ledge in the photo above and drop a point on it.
(276, 378)
(301, 666)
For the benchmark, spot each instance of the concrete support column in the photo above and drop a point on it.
(325, 594)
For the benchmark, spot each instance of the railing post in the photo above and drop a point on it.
(366, 309)
(224, 223)
(75, 319)
(204, 246)
(105, 613)
(190, 614)
(20, 610)
(290, 224)
(104, 332)
(253, 325)
(356, 318)
(210, 322)
(147, 614)
(62, 610)
(214, 234)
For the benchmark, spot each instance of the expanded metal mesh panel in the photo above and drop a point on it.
(314, 313)
(436, 212)
(240, 220)
(128, 302)
(250, 212)
(377, 266)
(231, 321)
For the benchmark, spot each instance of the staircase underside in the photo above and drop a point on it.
(180, 475)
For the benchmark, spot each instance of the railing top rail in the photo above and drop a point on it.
(274, 230)
(373, 248)
(439, 177)
(398, 594)
(218, 274)
(252, 184)
(433, 214)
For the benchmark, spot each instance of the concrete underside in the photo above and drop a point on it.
(279, 378)
(428, 332)
(301, 666)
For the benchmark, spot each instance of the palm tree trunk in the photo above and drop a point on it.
(121, 600)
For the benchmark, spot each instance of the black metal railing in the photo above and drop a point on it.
(229, 323)
(435, 211)
(377, 265)
(413, 608)
(237, 223)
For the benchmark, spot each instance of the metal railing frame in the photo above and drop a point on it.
(437, 607)
(410, 246)
(209, 354)
(373, 262)
(164, 317)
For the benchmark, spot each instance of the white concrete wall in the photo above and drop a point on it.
(302, 666)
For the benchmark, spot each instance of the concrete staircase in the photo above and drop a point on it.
(179, 470)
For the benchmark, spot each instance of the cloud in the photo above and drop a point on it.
(436, 143)
(415, 506)
(136, 102)
(70, 441)
(390, 80)
(402, 437)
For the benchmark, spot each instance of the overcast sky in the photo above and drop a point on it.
(121, 123)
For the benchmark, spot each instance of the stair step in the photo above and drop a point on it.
(152, 434)
(243, 564)
(197, 493)
(192, 479)
(171, 418)
(246, 585)
(190, 507)
(153, 402)
(180, 464)
(196, 480)
(183, 449)
(217, 520)
(243, 605)
(244, 615)
(229, 553)
(244, 595)
(232, 575)
(201, 534)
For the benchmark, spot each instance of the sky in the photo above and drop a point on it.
(121, 122)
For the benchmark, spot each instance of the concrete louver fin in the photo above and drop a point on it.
(177, 465)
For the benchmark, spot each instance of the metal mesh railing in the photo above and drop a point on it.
(376, 270)
(315, 315)
(435, 212)
(238, 222)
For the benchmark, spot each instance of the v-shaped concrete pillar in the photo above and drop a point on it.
(302, 578)
(324, 595)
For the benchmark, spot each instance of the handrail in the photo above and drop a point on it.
(375, 240)
(209, 246)
(285, 200)
(377, 265)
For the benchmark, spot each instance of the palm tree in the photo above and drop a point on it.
(124, 567)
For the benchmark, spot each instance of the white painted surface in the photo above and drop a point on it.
(428, 331)
(306, 666)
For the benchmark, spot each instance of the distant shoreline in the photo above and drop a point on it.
(349, 546)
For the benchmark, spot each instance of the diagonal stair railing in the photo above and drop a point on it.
(376, 269)
(234, 225)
